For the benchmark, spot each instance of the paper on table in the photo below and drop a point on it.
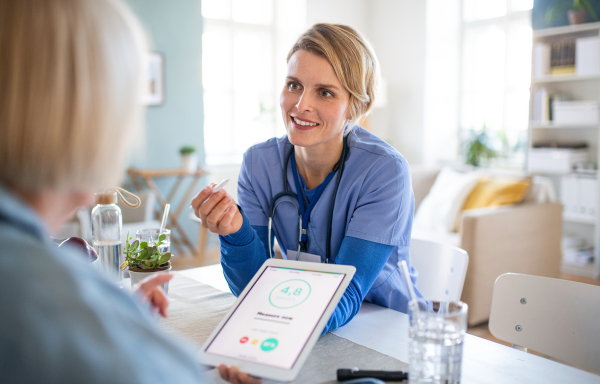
(393, 342)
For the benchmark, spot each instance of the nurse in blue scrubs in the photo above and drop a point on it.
(329, 190)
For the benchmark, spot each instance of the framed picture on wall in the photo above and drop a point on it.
(154, 93)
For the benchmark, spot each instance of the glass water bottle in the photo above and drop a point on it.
(107, 223)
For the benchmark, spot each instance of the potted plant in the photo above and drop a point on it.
(189, 160)
(578, 11)
(479, 146)
(142, 259)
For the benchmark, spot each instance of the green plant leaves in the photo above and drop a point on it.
(164, 258)
(141, 255)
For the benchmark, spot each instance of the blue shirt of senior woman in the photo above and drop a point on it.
(62, 322)
(373, 211)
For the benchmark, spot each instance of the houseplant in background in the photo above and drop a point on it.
(479, 146)
(189, 159)
(578, 10)
(142, 259)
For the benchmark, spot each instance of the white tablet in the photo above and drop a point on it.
(275, 322)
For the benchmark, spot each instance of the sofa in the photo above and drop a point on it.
(522, 238)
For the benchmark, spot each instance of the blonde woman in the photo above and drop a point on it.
(70, 85)
(351, 189)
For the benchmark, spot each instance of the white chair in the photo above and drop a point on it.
(558, 318)
(442, 269)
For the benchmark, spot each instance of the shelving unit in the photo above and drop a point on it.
(536, 125)
(562, 78)
(579, 88)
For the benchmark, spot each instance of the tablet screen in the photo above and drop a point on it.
(276, 318)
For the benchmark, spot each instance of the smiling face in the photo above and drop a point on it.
(314, 104)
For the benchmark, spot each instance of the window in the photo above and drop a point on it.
(245, 44)
(496, 69)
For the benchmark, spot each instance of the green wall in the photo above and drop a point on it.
(175, 30)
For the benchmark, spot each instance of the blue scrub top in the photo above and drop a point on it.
(374, 202)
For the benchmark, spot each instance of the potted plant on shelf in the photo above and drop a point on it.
(189, 160)
(142, 259)
(578, 11)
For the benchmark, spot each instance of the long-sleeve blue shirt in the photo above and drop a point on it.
(371, 219)
(243, 253)
(62, 322)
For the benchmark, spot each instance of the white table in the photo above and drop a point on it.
(386, 331)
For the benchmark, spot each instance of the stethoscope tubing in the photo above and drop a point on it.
(287, 192)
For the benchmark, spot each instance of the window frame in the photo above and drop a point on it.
(514, 159)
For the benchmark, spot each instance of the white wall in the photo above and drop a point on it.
(396, 28)
(442, 81)
(349, 12)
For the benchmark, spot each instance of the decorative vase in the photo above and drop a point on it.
(189, 162)
(577, 16)
(138, 275)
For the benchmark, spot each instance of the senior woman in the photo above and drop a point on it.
(70, 85)
(352, 190)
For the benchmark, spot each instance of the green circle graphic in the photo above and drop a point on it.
(291, 292)
(269, 345)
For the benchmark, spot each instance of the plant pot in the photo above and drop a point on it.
(136, 275)
(189, 162)
(577, 16)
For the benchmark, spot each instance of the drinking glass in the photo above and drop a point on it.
(151, 237)
(436, 341)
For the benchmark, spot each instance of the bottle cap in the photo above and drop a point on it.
(106, 198)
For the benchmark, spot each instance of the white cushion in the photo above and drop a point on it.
(440, 208)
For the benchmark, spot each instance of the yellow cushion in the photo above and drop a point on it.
(495, 191)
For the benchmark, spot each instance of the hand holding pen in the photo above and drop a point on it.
(217, 210)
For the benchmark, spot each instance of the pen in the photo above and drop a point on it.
(216, 189)
(349, 374)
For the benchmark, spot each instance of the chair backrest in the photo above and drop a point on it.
(558, 318)
(442, 269)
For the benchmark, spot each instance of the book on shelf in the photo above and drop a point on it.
(569, 56)
(556, 108)
(562, 57)
(543, 105)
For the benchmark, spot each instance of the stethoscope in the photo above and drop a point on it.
(286, 192)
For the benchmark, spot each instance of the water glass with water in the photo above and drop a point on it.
(437, 335)
(151, 237)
